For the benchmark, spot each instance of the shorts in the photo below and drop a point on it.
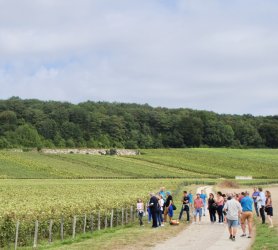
(170, 211)
(198, 211)
(232, 223)
(269, 211)
(246, 216)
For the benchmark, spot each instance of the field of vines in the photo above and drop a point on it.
(159, 163)
(44, 200)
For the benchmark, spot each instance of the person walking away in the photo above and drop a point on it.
(140, 211)
(233, 210)
(168, 207)
(268, 208)
(212, 206)
(220, 202)
(153, 208)
(185, 206)
(247, 214)
(255, 195)
(261, 204)
(198, 206)
(203, 196)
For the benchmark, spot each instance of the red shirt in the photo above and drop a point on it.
(198, 203)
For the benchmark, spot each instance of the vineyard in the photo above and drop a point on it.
(160, 163)
(45, 197)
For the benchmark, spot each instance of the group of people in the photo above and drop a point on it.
(159, 207)
(232, 208)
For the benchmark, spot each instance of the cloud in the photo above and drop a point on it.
(214, 55)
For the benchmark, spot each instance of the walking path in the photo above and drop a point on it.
(205, 236)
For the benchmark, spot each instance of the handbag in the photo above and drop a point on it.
(174, 207)
(214, 205)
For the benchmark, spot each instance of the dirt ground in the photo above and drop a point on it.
(213, 237)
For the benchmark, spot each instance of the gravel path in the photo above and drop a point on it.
(205, 236)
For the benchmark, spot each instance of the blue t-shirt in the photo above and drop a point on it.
(247, 204)
(203, 197)
(190, 196)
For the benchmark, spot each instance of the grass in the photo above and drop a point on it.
(266, 238)
(152, 163)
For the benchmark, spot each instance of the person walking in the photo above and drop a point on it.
(198, 206)
(140, 211)
(153, 204)
(220, 203)
(203, 196)
(247, 214)
(185, 206)
(261, 204)
(233, 210)
(268, 208)
(212, 206)
(255, 195)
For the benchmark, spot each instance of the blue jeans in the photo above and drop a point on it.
(149, 214)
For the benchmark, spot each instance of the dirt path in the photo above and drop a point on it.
(205, 236)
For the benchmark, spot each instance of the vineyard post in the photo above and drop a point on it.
(50, 231)
(36, 234)
(111, 219)
(98, 220)
(62, 228)
(105, 221)
(126, 216)
(117, 217)
(123, 212)
(73, 226)
(85, 223)
(131, 213)
(16, 235)
(92, 222)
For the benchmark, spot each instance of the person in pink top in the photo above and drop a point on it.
(220, 204)
(198, 205)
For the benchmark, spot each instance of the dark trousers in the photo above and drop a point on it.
(140, 217)
(212, 214)
(262, 213)
(256, 208)
(154, 217)
(220, 214)
(187, 213)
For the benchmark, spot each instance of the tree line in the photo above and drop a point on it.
(35, 123)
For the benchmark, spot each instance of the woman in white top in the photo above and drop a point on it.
(140, 210)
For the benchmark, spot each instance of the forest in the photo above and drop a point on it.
(33, 123)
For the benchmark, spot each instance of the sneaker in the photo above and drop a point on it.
(243, 235)
(193, 222)
(270, 226)
(233, 238)
(249, 237)
(162, 225)
(230, 237)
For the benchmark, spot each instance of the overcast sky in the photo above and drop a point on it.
(217, 55)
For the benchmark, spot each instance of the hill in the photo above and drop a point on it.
(152, 163)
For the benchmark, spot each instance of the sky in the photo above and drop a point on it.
(216, 55)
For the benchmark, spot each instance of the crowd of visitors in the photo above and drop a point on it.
(235, 209)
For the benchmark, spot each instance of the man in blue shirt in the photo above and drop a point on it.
(203, 196)
(255, 195)
(247, 214)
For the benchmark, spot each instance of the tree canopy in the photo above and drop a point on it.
(35, 123)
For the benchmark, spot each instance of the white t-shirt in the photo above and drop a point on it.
(140, 206)
(232, 207)
(161, 204)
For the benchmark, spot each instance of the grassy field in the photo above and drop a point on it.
(160, 163)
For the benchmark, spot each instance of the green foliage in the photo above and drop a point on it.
(102, 124)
